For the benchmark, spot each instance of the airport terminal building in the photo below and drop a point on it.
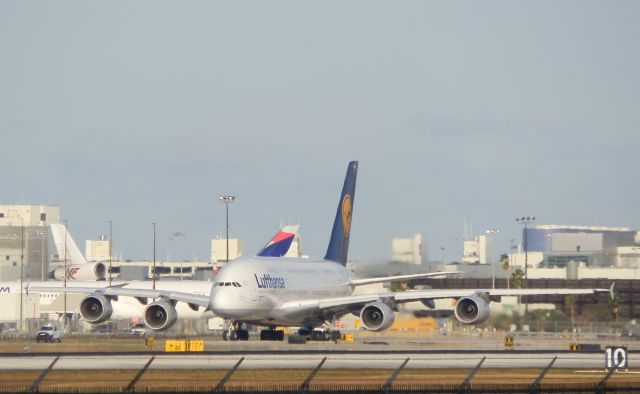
(590, 245)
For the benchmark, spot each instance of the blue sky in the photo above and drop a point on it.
(146, 111)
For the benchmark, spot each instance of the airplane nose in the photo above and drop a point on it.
(219, 303)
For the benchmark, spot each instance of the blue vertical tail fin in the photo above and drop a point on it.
(339, 242)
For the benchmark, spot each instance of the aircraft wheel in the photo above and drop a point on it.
(272, 335)
(305, 331)
(266, 335)
(297, 339)
(316, 336)
(243, 335)
(233, 336)
(225, 335)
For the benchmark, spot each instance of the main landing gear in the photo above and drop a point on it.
(271, 334)
(309, 334)
(235, 332)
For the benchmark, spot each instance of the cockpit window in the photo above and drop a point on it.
(234, 284)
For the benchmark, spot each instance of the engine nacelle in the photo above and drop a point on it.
(81, 272)
(377, 316)
(160, 315)
(472, 309)
(429, 303)
(96, 308)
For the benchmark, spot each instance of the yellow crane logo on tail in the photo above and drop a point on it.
(346, 215)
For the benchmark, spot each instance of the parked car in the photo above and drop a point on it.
(137, 329)
(104, 329)
(49, 333)
(8, 329)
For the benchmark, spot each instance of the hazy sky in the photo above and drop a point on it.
(146, 111)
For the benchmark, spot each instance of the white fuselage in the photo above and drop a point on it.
(123, 307)
(252, 289)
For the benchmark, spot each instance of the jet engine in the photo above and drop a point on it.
(472, 309)
(377, 316)
(96, 308)
(429, 303)
(81, 272)
(160, 315)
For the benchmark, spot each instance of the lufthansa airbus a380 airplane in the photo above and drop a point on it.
(272, 291)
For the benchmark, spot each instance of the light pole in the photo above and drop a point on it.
(526, 220)
(173, 238)
(66, 235)
(226, 200)
(110, 249)
(490, 233)
(42, 234)
(153, 274)
(21, 270)
(513, 246)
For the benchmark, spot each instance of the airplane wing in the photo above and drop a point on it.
(336, 304)
(359, 282)
(189, 298)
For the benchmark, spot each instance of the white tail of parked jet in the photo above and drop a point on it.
(77, 267)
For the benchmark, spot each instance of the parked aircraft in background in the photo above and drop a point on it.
(272, 291)
(280, 244)
(79, 269)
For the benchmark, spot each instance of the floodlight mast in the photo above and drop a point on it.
(226, 200)
(526, 220)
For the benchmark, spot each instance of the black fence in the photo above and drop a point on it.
(354, 388)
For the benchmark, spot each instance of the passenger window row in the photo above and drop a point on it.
(234, 284)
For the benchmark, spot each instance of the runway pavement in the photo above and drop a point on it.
(301, 360)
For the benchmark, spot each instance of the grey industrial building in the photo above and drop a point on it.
(24, 240)
(591, 245)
